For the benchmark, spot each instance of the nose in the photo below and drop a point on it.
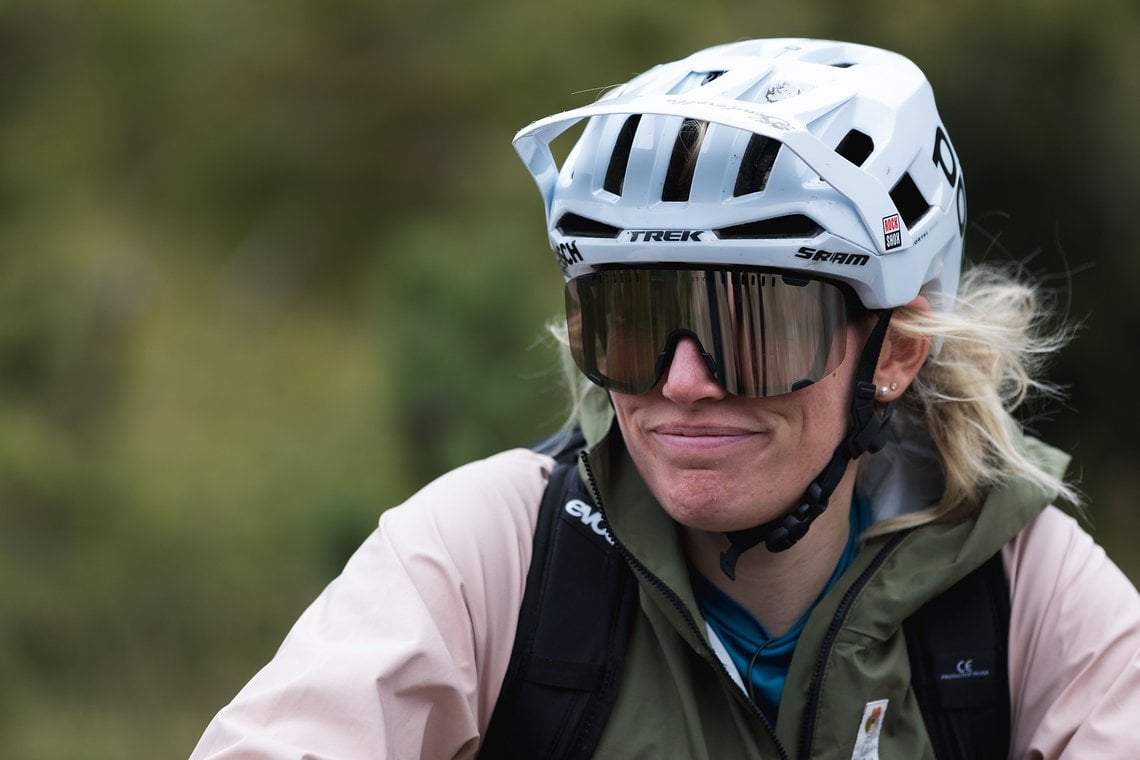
(688, 378)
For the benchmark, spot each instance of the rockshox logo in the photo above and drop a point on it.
(589, 517)
(830, 257)
(892, 231)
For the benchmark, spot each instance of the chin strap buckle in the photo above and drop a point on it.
(868, 424)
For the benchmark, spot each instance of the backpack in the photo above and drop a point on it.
(565, 668)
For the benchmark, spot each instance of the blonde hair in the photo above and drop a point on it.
(993, 345)
(579, 389)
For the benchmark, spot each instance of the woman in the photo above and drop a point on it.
(798, 430)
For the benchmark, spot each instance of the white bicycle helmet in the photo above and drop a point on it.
(805, 155)
(823, 160)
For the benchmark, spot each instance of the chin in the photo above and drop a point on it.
(713, 511)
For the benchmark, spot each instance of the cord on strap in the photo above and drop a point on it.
(867, 434)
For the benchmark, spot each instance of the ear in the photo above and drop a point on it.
(901, 358)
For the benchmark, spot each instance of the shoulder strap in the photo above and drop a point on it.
(958, 645)
(574, 623)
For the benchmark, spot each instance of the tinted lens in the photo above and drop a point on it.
(762, 333)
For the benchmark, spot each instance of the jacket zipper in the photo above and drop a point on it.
(675, 600)
(815, 686)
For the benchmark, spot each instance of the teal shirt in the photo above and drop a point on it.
(762, 660)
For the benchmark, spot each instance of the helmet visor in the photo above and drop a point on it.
(761, 333)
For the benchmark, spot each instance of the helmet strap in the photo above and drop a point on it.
(867, 434)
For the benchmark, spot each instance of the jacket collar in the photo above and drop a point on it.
(904, 477)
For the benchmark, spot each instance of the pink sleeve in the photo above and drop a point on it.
(1074, 661)
(403, 655)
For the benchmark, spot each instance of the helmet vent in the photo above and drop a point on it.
(909, 200)
(683, 162)
(711, 76)
(619, 161)
(573, 225)
(756, 165)
(791, 226)
(855, 147)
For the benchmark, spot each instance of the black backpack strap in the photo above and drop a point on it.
(958, 645)
(574, 623)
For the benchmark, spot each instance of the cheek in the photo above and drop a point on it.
(623, 405)
(757, 482)
(824, 414)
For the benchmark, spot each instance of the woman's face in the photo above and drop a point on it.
(718, 462)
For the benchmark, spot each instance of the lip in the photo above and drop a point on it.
(702, 437)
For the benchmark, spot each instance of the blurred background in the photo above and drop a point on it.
(268, 266)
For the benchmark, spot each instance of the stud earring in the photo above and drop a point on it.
(885, 390)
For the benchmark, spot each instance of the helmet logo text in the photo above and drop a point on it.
(751, 112)
(665, 236)
(892, 231)
(945, 159)
(833, 257)
(568, 255)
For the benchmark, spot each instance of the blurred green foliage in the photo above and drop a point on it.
(266, 267)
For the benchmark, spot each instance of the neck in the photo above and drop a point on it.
(779, 588)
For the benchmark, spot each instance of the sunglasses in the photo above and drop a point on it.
(761, 333)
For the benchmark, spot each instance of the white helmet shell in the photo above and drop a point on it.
(821, 157)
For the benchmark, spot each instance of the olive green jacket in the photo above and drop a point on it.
(678, 701)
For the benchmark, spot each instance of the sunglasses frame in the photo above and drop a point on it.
(736, 277)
